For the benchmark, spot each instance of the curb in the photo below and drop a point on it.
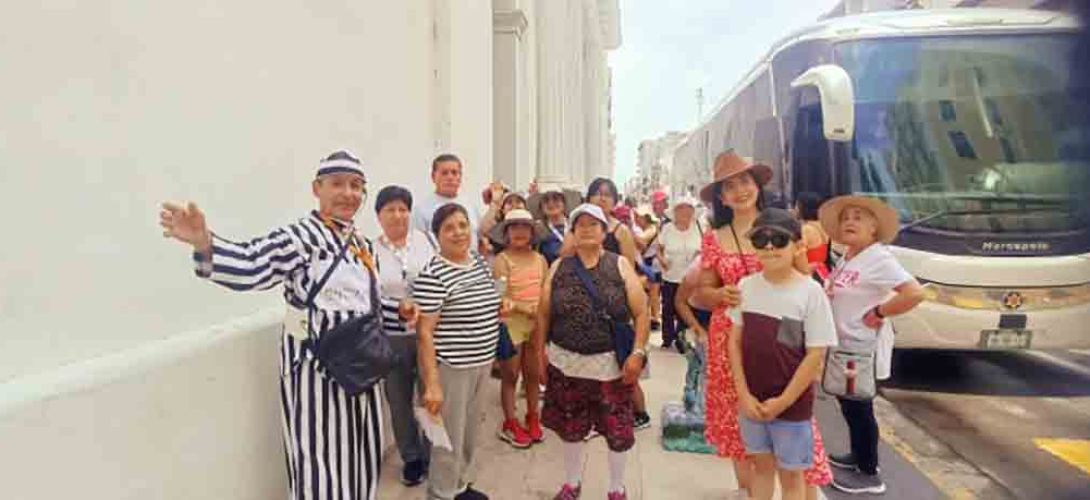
(948, 470)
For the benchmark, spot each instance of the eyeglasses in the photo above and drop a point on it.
(761, 239)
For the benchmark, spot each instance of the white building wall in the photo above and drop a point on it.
(124, 105)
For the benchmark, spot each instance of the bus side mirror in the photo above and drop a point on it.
(837, 99)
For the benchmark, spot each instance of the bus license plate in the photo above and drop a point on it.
(1005, 339)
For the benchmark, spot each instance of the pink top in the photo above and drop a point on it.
(524, 282)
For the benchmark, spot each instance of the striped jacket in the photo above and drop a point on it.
(282, 257)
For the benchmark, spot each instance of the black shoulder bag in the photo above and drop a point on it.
(624, 336)
(357, 353)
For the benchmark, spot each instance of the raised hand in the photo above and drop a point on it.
(497, 188)
(187, 224)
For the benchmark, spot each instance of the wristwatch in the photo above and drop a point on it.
(640, 351)
(877, 312)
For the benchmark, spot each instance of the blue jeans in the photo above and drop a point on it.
(791, 442)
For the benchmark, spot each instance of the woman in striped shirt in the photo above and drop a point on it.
(401, 252)
(456, 341)
(333, 440)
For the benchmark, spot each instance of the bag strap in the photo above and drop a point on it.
(588, 282)
(829, 254)
(325, 278)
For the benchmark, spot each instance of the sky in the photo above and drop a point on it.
(670, 49)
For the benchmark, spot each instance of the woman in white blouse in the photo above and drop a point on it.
(402, 251)
(679, 245)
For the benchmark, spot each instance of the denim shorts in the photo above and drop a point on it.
(791, 442)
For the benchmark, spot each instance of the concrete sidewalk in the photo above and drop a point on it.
(651, 474)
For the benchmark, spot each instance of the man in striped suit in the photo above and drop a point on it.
(333, 440)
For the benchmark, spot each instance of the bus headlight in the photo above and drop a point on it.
(1007, 299)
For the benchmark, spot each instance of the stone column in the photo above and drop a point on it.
(574, 90)
(509, 87)
(463, 86)
(553, 141)
(594, 62)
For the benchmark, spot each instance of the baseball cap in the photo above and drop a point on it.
(591, 210)
(778, 219)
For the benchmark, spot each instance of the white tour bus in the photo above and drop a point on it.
(963, 120)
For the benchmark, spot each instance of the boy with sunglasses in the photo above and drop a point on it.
(781, 332)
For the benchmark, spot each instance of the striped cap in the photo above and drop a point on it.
(341, 162)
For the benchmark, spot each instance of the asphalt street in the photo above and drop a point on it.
(1021, 418)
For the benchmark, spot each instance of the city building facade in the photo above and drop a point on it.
(122, 106)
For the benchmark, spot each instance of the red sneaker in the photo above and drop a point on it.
(533, 428)
(515, 435)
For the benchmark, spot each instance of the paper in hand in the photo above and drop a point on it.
(433, 428)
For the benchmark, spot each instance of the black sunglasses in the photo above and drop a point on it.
(761, 239)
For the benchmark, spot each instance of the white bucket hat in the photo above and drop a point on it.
(684, 201)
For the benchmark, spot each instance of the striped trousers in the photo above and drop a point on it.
(333, 441)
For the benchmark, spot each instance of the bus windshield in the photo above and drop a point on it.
(971, 134)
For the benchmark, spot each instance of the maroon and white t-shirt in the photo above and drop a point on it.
(779, 322)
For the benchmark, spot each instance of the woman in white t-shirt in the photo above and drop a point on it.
(865, 288)
(679, 245)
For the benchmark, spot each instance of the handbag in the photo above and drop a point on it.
(505, 347)
(357, 354)
(850, 374)
(622, 333)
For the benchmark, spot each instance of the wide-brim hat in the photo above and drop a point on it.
(514, 217)
(536, 202)
(888, 221)
(513, 194)
(645, 211)
(729, 164)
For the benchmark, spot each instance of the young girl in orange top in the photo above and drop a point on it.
(520, 273)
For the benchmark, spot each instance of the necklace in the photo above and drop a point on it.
(401, 254)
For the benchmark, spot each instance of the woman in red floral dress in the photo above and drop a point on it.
(736, 197)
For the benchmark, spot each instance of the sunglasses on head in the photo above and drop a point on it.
(761, 239)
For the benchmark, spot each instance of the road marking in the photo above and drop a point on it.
(944, 485)
(1073, 451)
